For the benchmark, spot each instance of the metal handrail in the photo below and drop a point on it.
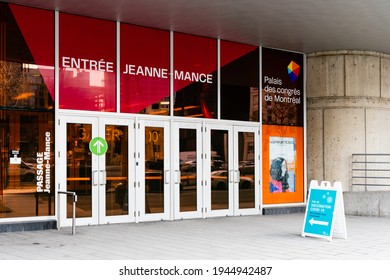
(73, 209)
(370, 170)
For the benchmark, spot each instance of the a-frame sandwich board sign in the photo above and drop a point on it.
(324, 213)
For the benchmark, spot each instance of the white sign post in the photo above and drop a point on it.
(325, 214)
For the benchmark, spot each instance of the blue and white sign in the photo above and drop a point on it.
(322, 207)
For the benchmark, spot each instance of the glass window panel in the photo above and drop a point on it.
(26, 58)
(27, 164)
(117, 187)
(283, 91)
(247, 170)
(79, 167)
(188, 170)
(154, 170)
(144, 70)
(87, 63)
(219, 170)
(26, 114)
(239, 81)
(195, 76)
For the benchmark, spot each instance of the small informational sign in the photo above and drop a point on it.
(15, 157)
(98, 146)
(325, 211)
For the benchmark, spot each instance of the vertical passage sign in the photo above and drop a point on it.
(325, 211)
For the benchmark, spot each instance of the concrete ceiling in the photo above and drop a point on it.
(300, 25)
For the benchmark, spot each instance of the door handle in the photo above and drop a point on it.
(231, 176)
(103, 177)
(166, 176)
(178, 177)
(238, 176)
(99, 177)
(95, 178)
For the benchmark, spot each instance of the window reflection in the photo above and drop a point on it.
(87, 63)
(188, 170)
(117, 187)
(239, 82)
(195, 76)
(154, 170)
(26, 114)
(246, 170)
(219, 170)
(79, 168)
(144, 70)
(26, 185)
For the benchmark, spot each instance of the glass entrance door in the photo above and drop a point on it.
(116, 194)
(95, 155)
(218, 170)
(232, 170)
(246, 180)
(153, 170)
(187, 164)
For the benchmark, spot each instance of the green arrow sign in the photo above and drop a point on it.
(98, 146)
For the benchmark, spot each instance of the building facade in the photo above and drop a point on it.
(143, 124)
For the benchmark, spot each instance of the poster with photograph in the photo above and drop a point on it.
(282, 155)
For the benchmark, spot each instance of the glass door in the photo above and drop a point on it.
(246, 180)
(187, 180)
(153, 170)
(116, 193)
(232, 170)
(94, 162)
(218, 170)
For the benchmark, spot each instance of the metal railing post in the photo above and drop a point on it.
(74, 214)
(74, 196)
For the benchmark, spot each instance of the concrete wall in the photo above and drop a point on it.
(370, 204)
(348, 111)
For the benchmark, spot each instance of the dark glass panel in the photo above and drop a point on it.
(283, 90)
(239, 82)
(246, 170)
(220, 177)
(79, 168)
(188, 170)
(27, 164)
(195, 76)
(117, 187)
(26, 58)
(26, 111)
(154, 170)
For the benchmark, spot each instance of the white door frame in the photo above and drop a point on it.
(141, 175)
(171, 172)
(62, 158)
(207, 169)
(130, 217)
(98, 187)
(178, 176)
(233, 130)
(256, 176)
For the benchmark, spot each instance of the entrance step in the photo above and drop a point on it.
(28, 226)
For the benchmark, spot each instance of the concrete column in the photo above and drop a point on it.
(348, 111)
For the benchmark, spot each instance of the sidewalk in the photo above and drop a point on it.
(269, 237)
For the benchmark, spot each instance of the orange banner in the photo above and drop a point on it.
(283, 164)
